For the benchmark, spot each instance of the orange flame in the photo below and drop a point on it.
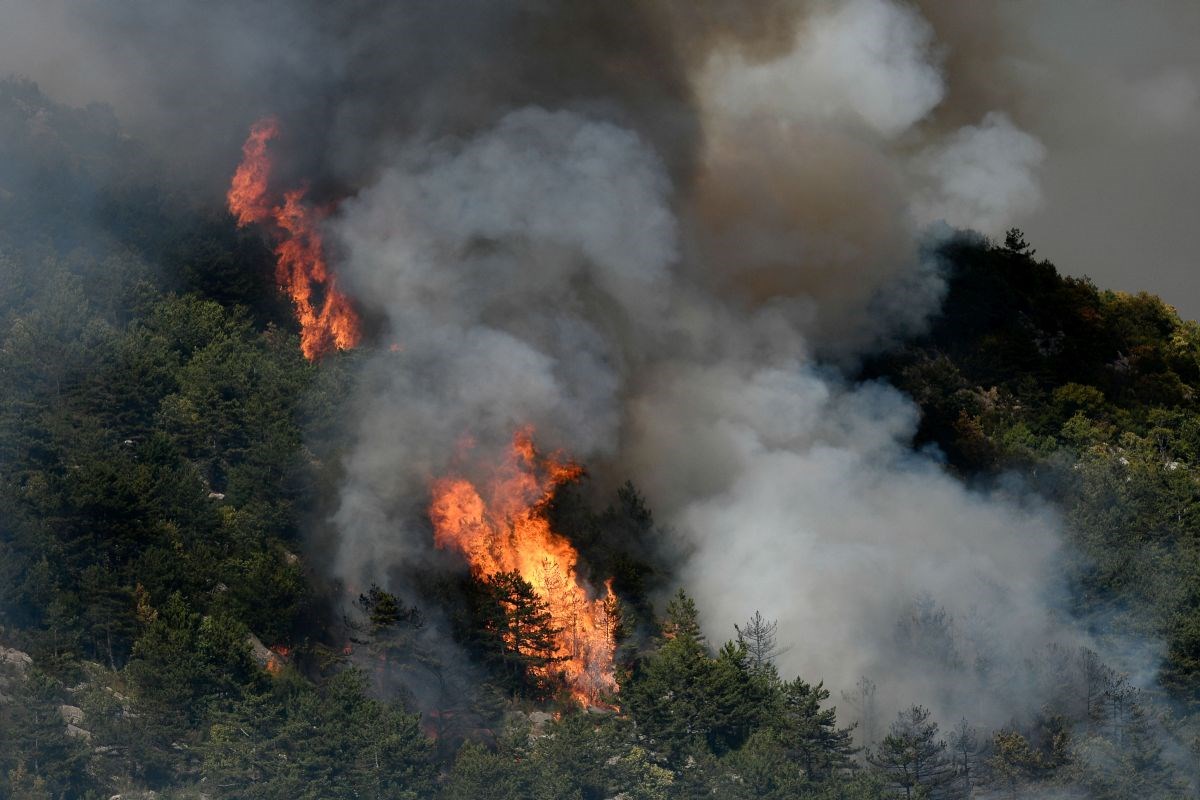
(278, 658)
(503, 528)
(247, 195)
(327, 318)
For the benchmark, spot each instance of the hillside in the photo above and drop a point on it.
(169, 464)
(1092, 396)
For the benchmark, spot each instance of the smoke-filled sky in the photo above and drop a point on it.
(1109, 91)
(642, 227)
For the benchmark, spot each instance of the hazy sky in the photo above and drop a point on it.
(1122, 180)
(1110, 88)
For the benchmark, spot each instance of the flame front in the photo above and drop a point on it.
(502, 527)
(327, 318)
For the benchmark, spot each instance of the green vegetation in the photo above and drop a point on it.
(1094, 396)
(163, 444)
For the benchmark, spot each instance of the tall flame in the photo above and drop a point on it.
(326, 317)
(502, 527)
(247, 195)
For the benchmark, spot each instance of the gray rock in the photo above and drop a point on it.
(76, 732)
(72, 715)
(260, 651)
(16, 659)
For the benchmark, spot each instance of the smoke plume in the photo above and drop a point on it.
(642, 228)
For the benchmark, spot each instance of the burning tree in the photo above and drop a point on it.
(502, 530)
(519, 635)
(327, 318)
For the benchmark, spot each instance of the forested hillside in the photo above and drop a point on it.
(1092, 395)
(168, 460)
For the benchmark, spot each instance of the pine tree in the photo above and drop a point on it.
(686, 700)
(1126, 756)
(682, 698)
(683, 619)
(964, 754)
(520, 635)
(37, 758)
(668, 692)
(1014, 761)
(335, 743)
(862, 700)
(108, 615)
(742, 699)
(391, 630)
(911, 757)
(758, 636)
(810, 733)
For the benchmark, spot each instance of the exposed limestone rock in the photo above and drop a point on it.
(18, 660)
(261, 653)
(72, 715)
(76, 732)
(539, 720)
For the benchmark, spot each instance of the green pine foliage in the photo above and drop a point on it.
(296, 740)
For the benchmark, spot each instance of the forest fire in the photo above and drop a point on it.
(327, 319)
(502, 527)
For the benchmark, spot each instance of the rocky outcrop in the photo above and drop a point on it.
(76, 732)
(15, 659)
(72, 715)
(13, 665)
(261, 653)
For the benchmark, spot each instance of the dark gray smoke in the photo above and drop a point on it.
(1108, 89)
(351, 79)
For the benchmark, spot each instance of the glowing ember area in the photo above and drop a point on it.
(278, 658)
(501, 526)
(327, 319)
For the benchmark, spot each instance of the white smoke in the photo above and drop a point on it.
(533, 275)
(868, 63)
(822, 170)
(503, 265)
(823, 517)
(981, 177)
